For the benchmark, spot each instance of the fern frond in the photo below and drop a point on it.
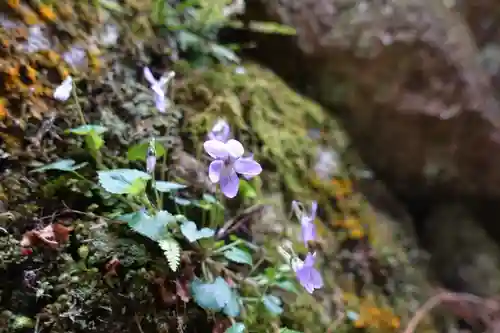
(172, 251)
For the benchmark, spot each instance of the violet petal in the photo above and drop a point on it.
(214, 170)
(216, 149)
(247, 167)
(229, 183)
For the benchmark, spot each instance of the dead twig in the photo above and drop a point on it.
(467, 306)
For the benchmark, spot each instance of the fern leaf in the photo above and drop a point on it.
(172, 251)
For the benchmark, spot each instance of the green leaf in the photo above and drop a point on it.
(238, 255)
(172, 251)
(286, 285)
(94, 141)
(192, 234)
(187, 39)
(247, 190)
(122, 181)
(223, 53)
(62, 165)
(158, 13)
(168, 186)
(181, 201)
(272, 304)
(87, 129)
(153, 227)
(209, 198)
(236, 328)
(232, 308)
(211, 296)
(287, 330)
(137, 187)
(138, 152)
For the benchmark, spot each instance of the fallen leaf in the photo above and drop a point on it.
(52, 235)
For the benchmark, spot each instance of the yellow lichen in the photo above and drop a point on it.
(47, 13)
(29, 16)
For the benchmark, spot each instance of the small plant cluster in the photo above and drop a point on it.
(218, 286)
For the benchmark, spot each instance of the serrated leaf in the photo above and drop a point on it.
(163, 186)
(139, 151)
(239, 256)
(172, 251)
(236, 328)
(87, 129)
(211, 296)
(122, 181)
(272, 304)
(62, 165)
(192, 234)
(153, 227)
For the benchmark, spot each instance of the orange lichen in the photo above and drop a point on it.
(356, 233)
(47, 13)
(30, 70)
(372, 316)
(3, 108)
(343, 187)
(14, 3)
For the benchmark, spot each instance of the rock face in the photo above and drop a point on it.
(409, 81)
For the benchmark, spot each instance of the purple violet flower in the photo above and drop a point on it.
(158, 88)
(75, 56)
(220, 131)
(308, 276)
(228, 163)
(306, 220)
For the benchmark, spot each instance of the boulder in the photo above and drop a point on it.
(405, 78)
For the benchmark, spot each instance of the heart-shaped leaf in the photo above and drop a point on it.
(139, 151)
(123, 181)
(232, 308)
(192, 234)
(239, 256)
(153, 227)
(211, 296)
(272, 304)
